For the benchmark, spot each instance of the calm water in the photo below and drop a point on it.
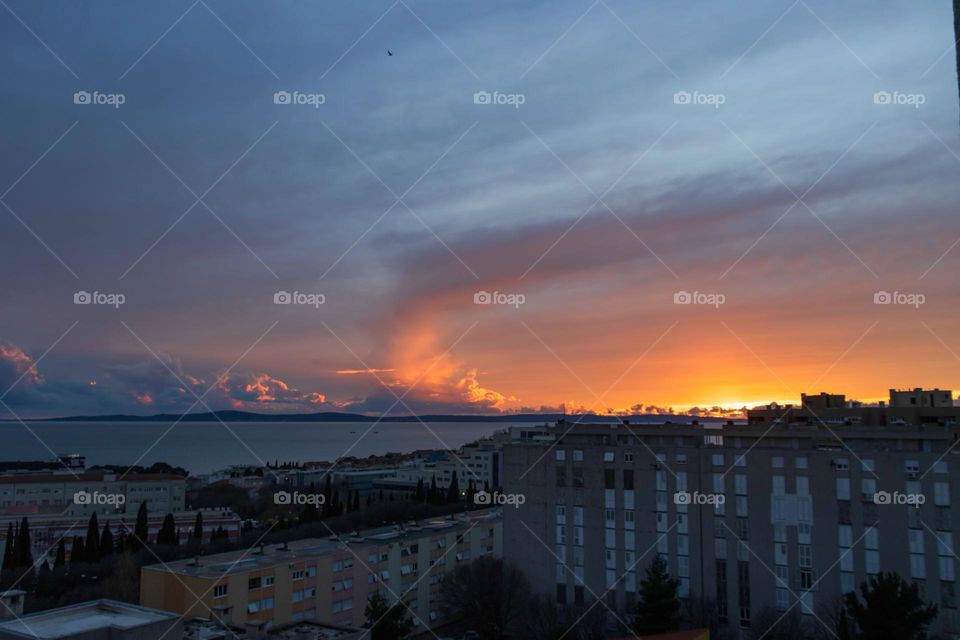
(204, 447)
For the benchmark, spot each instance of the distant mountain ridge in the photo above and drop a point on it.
(333, 416)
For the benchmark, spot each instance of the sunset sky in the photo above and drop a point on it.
(595, 201)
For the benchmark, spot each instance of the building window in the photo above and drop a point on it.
(254, 583)
(220, 591)
(560, 455)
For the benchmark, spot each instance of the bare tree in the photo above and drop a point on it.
(770, 624)
(546, 620)
(487, 595)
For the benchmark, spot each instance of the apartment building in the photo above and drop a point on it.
(81, 494)
(327, 580)
(478, 461)
(775, 515)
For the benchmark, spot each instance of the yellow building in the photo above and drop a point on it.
(325, 579)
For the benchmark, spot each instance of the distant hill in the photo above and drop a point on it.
(333, 416)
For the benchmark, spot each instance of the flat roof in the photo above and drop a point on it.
(83, 617)
(243, 560)
(88, 476)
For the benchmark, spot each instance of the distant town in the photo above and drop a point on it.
(773, 522)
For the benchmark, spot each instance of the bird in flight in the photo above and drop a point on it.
(389, 53)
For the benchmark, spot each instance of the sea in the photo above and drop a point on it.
(202, 447)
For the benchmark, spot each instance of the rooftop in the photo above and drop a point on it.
(243, 560)
(82, 618)
(89, 476)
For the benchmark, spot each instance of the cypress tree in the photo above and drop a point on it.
(198, 527)
(61, 559)
(168, 531)
(8, 548)
(141, 531)
(106, 541)
(328, 506)
(77, 552)
(24, 549)
(419, 493)
(432, 492)
(92, 543)
(453, 491)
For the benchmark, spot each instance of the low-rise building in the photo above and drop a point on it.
(327, 580)
(94, 620)
(100, 492)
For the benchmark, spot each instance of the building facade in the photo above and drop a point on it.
(769, 516)
(87, 492)
(326, 580)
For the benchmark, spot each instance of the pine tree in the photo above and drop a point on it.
(141, 530)
(891, 608)
(24, 557)
(659, 608)
(92, 543)
(61, 559)
(77, 552)
(106, 541)
(453, 491)
(198, 528)
(386, 622)
(8, 548)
